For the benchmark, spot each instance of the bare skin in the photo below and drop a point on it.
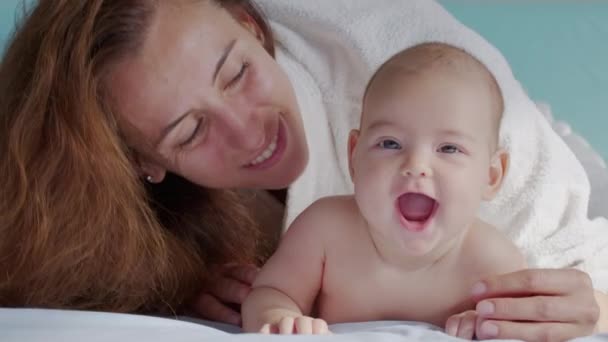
(427, 140)
(328, 258)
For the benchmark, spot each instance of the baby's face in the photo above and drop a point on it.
(422, 161)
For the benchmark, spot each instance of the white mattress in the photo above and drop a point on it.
(27, 325)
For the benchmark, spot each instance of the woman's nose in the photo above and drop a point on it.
(243, 130)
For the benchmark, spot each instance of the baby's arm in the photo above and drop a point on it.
(289, 282)
(488, 251)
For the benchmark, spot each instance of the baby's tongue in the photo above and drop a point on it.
(416, 207)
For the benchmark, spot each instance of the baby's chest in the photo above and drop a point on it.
(371, 293)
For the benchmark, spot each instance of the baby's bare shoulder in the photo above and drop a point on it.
(328, 215)
(335, 208)
(491, 251)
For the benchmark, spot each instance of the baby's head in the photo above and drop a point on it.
(441, 68)
(428, 142)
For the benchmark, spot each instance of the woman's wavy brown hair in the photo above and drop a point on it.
(78, 228)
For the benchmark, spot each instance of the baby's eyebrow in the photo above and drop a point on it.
(457, 134)
(381, 124)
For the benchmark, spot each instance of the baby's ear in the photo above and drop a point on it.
(498, 169)
(352, 143)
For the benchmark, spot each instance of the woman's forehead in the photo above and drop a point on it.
(193, 25)
(178, 55)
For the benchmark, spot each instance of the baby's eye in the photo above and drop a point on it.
(389, 144)
(449, 149)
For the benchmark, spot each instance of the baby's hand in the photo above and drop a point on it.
(303, 325)
(462, 325)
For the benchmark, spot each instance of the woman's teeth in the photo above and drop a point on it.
(268, 152)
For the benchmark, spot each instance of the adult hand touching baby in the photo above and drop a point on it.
(227, 290)
(536, 305)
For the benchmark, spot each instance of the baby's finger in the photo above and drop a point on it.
(452, 324)
(265, 329)
(303, 325)
(466, 329)
(286, 326)
(319, 327)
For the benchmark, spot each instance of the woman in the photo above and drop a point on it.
(115, 115)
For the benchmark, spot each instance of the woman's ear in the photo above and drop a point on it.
(151, 172)
(498, 169)
(352, 143)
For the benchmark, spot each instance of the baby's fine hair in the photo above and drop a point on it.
(432, 57)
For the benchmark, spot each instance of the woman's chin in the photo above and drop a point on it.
(285, 180)
(284, 177)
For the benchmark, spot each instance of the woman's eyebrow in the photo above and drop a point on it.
(222, 60)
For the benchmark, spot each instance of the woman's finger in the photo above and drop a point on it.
(211, 308)
(540, 309)
(532, 282)
(528, 331)
(230, 290)
(243, 273)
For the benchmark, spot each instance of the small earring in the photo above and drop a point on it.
(149, 179)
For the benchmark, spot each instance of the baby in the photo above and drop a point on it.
(408, 244)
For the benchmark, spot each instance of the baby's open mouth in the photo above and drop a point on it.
(416, 209)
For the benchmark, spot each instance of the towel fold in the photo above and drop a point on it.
(330, 49)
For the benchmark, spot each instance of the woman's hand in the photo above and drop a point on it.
(222, 299)
(536, 305)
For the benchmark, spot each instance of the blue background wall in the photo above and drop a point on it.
(558, 50)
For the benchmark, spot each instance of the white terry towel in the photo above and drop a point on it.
(330, 48)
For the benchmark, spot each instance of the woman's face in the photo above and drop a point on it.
(209, 102)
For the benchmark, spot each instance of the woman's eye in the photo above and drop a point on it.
(389, 144)
(194, 133)
(449, 149)
(239, 75)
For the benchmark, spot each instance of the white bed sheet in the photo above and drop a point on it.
(37, 325)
